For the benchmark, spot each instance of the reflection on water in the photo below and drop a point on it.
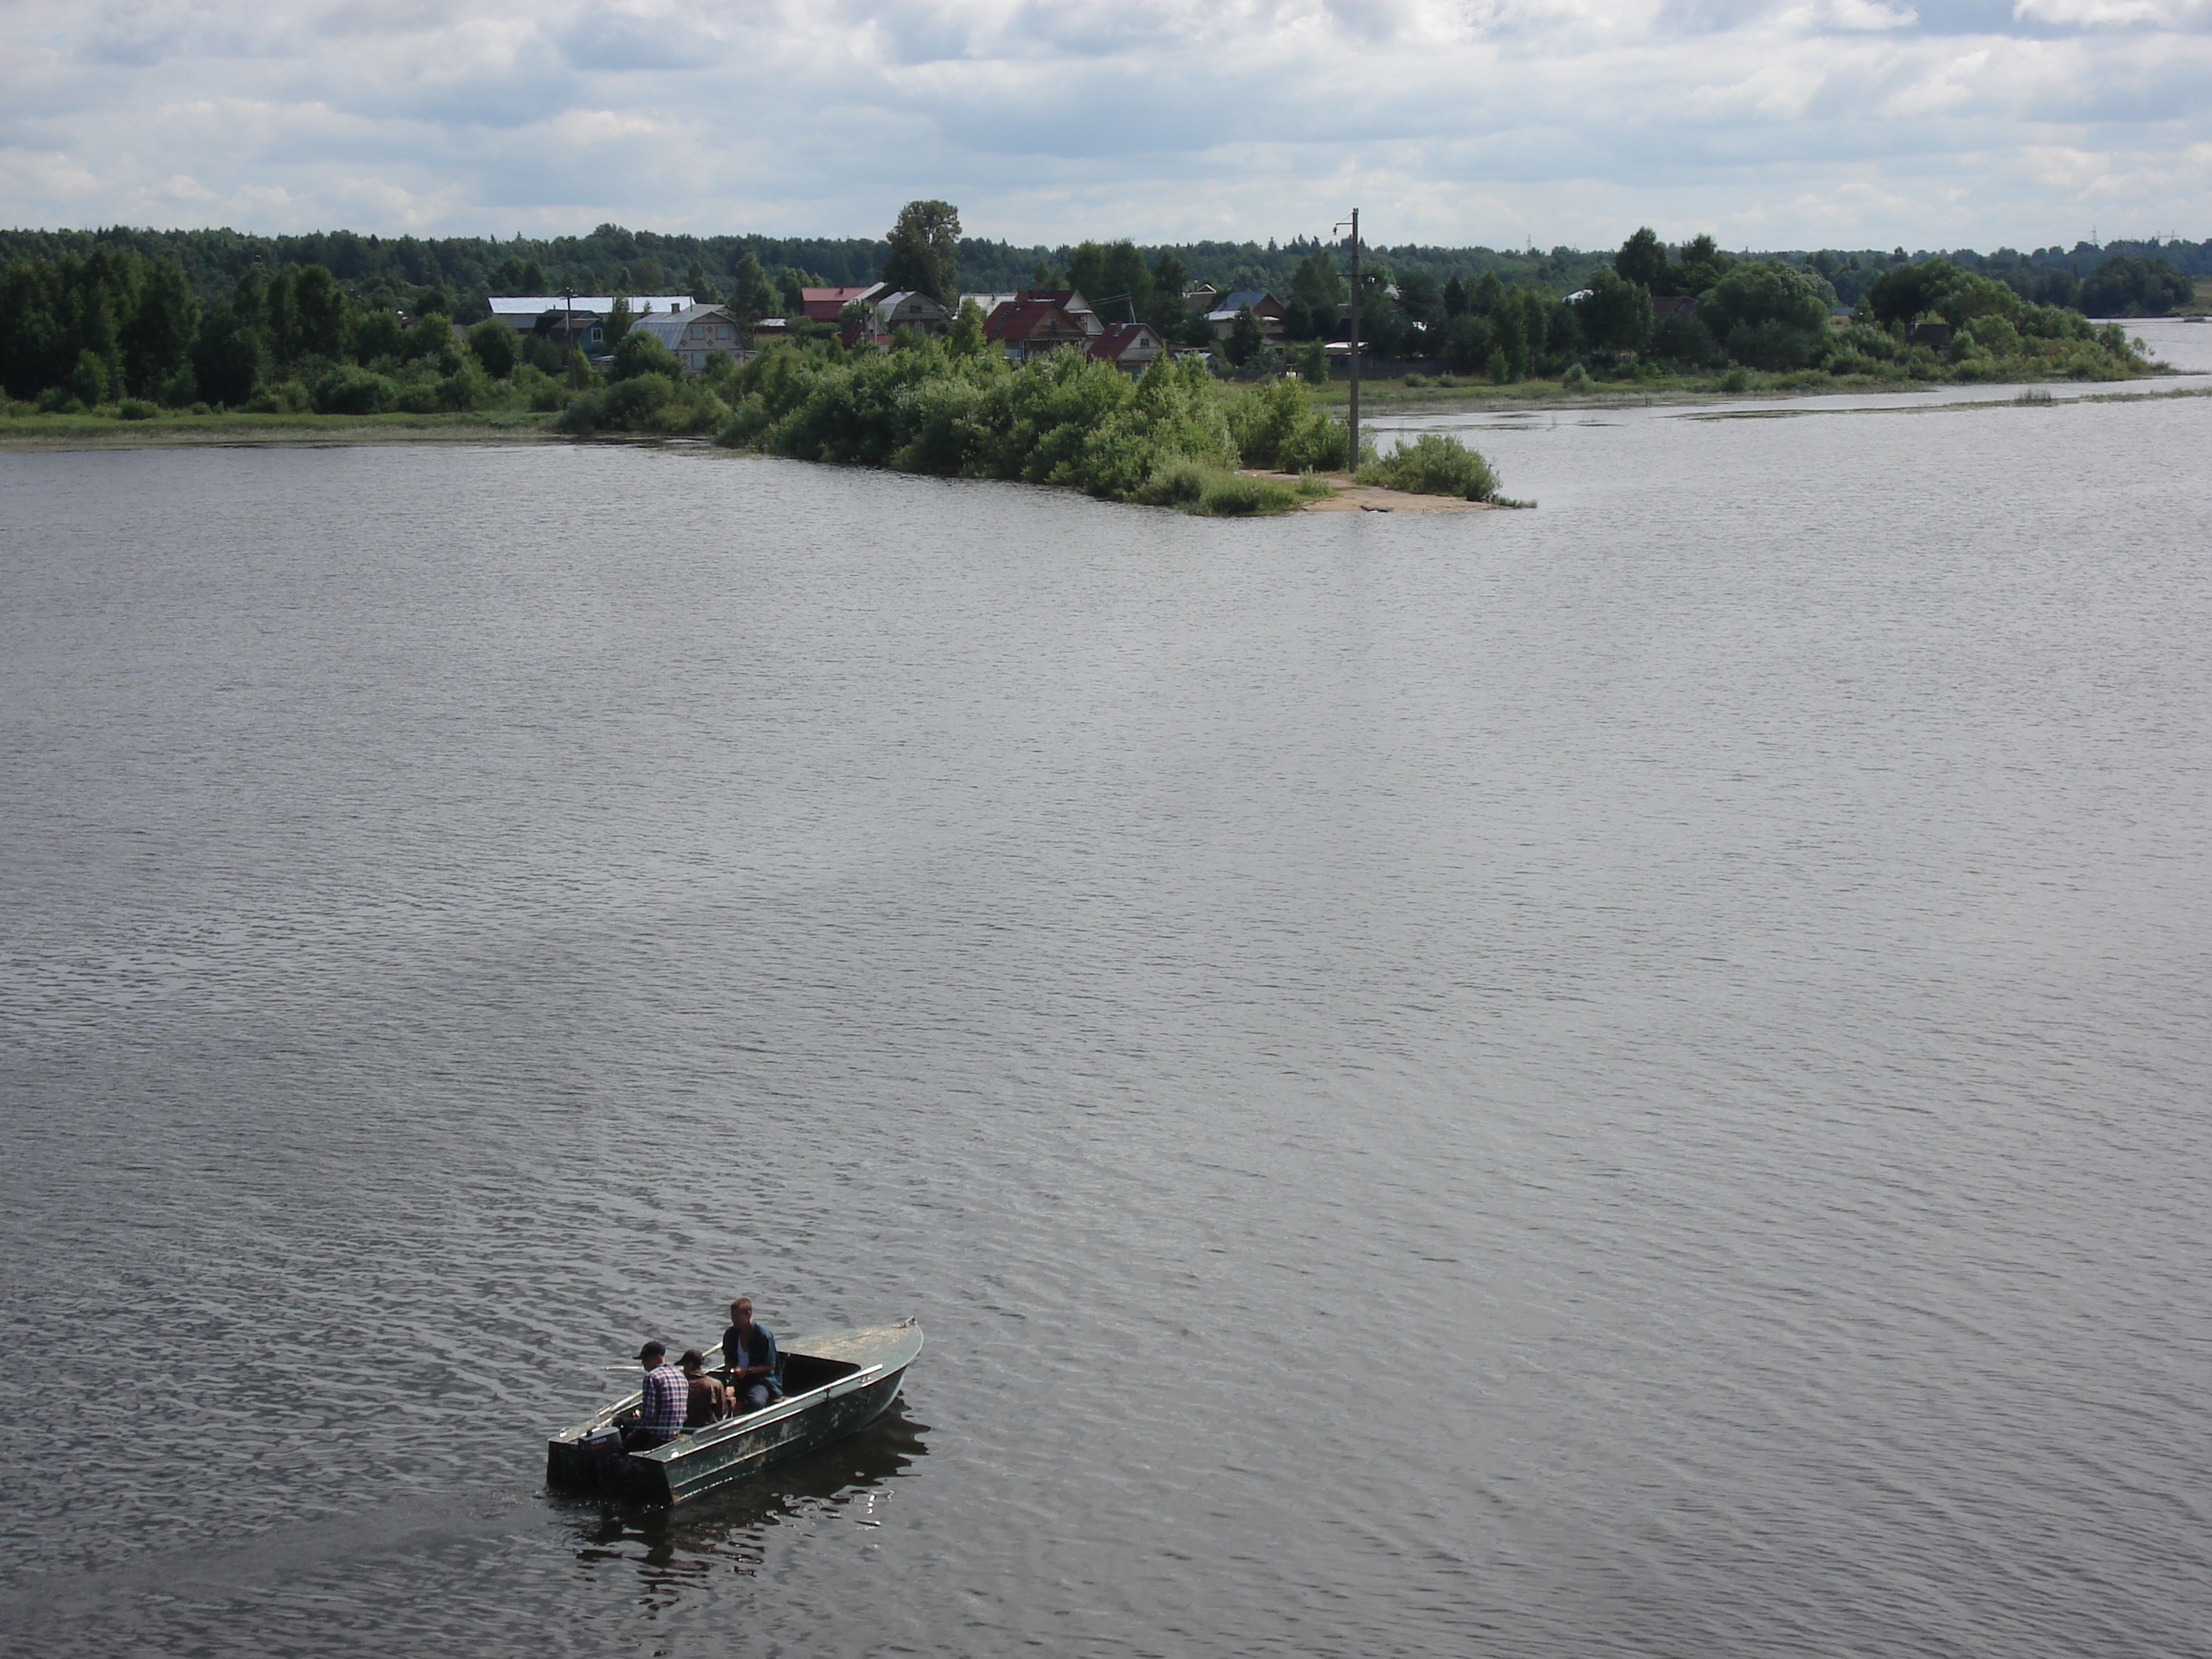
(729, 1528)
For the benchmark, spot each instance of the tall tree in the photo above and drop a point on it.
(925, 253)
(157, 336)
(1422, 299)
(319, 314)
(1122, 273)
(1170, 277)
(1643, 258)
(751, 298)
(966, 338)
(1617, 315)
(1086, 269)
(1319, 284)
(1246, 337)
(1700, 264)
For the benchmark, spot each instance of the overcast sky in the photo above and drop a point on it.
(1772, 123)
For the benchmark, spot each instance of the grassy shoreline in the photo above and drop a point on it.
(1393, 395)
(94, 430)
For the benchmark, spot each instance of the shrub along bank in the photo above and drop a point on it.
(1173, 437)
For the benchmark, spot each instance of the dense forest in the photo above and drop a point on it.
(389, 271)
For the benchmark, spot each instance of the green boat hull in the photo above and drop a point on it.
(836, 1382)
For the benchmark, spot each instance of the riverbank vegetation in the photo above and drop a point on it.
(1178, 435)
(1175, 435)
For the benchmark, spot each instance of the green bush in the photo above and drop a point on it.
(1168, 437)
(283, 398)
(654, 404)
(354, 392)
(1277, 427)
(136, 408)
(1577, 378)
(1433, 465)
(1236, 494)
(1176, 483)
(641, 353)
(432, 340)
(494, 343)
(465, 388)
(1773, 344)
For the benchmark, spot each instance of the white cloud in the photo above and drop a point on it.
(1789, 122)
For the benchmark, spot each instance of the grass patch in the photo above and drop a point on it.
(1433, 465)
(125, 426)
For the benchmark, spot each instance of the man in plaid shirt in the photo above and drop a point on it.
(660, 1413)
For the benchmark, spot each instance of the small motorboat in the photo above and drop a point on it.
(833, 1384)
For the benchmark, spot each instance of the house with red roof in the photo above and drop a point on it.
(1026, 327)
(1131, 346)
(827, 305)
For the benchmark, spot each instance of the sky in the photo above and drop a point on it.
(1775, 123)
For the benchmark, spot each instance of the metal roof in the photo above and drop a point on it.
(533, 305)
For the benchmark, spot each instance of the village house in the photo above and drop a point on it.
(909, 308)
(1265, 307)
(1070, 301)
(584, 329)
(696, 334)
(1027, 327)
(521, 312)
(986, 303)
(1131, 346)
(1668, 306)
(827, 305)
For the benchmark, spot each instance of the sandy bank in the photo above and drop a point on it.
(1351, 497)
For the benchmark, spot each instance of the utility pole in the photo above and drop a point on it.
(1351, 463)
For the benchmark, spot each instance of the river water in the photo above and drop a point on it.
(1628, 1078)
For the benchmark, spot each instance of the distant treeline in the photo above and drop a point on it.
(111, 325)
(390, 272)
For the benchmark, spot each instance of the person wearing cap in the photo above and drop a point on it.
(749, 1351)
(710, 1399)
(661, 1408)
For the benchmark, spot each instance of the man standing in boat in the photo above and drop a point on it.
(749, 1351)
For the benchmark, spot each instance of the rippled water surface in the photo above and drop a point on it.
(1630, 1079)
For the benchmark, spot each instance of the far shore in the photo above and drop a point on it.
(1394, 396)
(1382, 398)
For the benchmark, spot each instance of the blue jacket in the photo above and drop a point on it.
(760, 1350)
